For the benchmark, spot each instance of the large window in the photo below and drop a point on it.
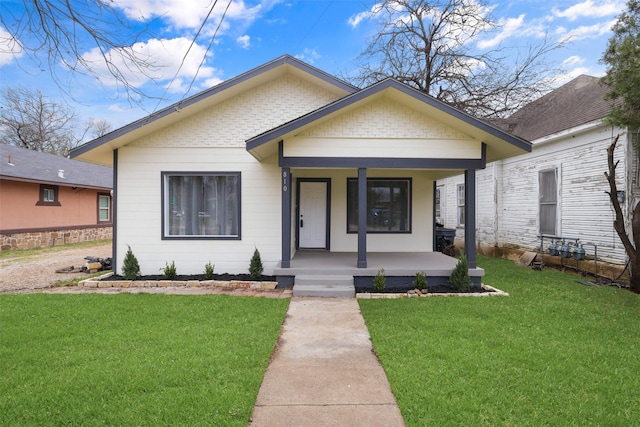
(548, 196)
(388, 205)
(201, 205)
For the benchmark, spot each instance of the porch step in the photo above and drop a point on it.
(324, 286)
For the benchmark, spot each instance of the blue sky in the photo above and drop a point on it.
(328, 34)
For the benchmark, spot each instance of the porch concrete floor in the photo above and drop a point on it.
(394, 263)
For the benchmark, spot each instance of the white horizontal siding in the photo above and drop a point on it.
(212, 140)
(585, 211)
(140, 210)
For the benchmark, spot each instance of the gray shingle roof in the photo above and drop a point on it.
(29, 165)
(573, 104)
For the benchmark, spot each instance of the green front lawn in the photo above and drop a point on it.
(124, 360)
(555, 352)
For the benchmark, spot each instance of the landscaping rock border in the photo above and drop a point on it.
(414, 293)
(101, 282)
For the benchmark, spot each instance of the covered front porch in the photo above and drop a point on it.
(375, 156)
(400, 268)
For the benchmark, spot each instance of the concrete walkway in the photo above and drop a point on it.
(323, 371)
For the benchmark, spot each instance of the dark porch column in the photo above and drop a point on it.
(362, 218)
(470, 216)
(114, 214)
(286, 218)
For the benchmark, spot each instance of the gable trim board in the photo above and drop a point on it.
(436, 140)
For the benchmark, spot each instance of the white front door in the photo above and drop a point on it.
(312, 220)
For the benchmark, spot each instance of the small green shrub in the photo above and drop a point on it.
(130, 266)
(380, 281)
(459, 278)
(170, 270)
(208, 271)
(255, 267)
(421, 280)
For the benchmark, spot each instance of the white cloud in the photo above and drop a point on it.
(165, 58)
(589, 8)
(309, 55)
(118, 109)
(509, 27)
(244, 41)
(211, 82)
(188, 14)
(586, 31)
(573, 60)
(561, 79)
(356, 19)
(10, 48)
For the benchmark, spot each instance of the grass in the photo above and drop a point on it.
(134, 359)
(15, 255)
(555, 352)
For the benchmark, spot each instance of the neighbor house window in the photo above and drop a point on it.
(460, 203)
(548, 196)
(201, 205)
(48, 195)
(438, 205)
(104, 208)
(388, 205)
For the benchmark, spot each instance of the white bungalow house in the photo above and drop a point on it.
(558, 189)
(316, 174)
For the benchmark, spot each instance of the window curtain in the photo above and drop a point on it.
(204, 205)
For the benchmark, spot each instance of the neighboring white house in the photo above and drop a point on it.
(286, 158)
(557, 189)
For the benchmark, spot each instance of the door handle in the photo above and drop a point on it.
(301, 223)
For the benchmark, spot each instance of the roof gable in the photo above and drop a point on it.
(499, 143)
(100, 149)
(21, 164)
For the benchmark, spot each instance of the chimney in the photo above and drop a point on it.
(61, 173)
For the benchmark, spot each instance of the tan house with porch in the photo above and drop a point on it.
(318, 175)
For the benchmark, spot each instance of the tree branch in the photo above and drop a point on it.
(618, 223)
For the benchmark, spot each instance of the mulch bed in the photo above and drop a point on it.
(201, 277)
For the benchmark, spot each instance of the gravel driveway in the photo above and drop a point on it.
(23, 273)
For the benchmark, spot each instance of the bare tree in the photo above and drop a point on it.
(619, 223)
(30, 120)
(63, 30)
(98, 127)
(428, 45)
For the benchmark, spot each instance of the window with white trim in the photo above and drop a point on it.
(460, 203)
(201, 205)
(104, 208)
(548, 201)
